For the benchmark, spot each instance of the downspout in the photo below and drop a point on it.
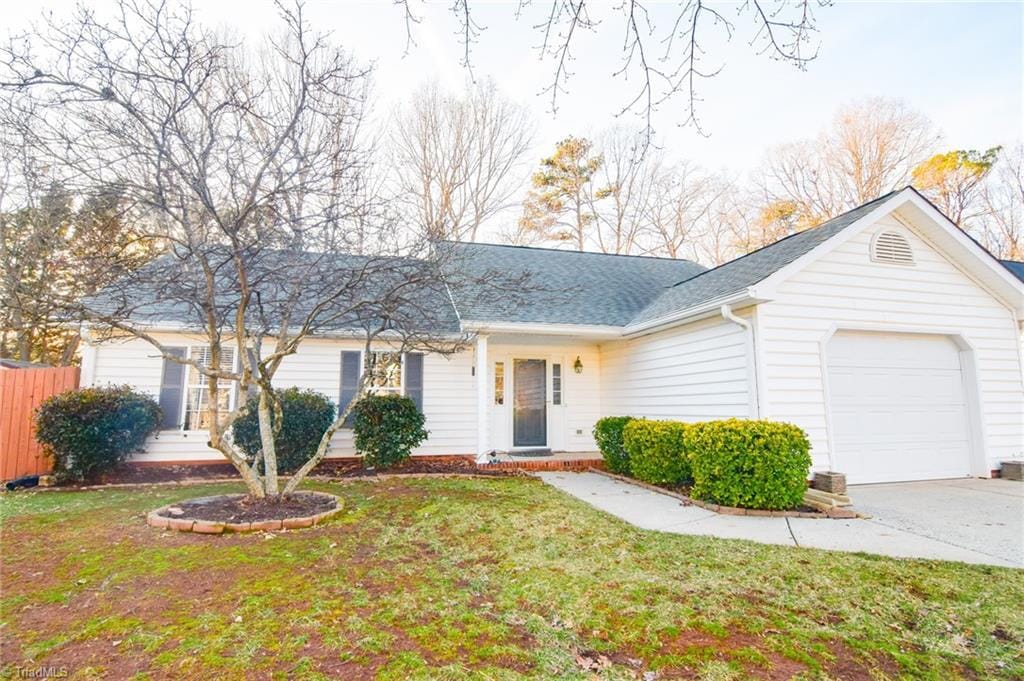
(729, 315)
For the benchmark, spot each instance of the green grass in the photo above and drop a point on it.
(490, 579)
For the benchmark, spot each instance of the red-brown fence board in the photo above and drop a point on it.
(21, 393)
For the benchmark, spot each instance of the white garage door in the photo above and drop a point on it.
(897, 407)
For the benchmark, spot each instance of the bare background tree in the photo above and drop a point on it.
(457, 160)
(954, 181)
(48, 240)
(627, 178)
(871, 147)
(247, 172)
(1002, 223)
(683, 214)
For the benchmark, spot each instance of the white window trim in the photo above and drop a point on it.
(504, 384)
(232, 392)
(561, 383)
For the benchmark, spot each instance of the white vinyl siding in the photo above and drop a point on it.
(845, 288)
(449, 398)
(695, 372)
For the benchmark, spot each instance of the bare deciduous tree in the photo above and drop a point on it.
(628, 180)
(871, 148)
(953, 182)
(457, 159)
(1001, 227)
(248, 169)
(683, 214)
(48, 238)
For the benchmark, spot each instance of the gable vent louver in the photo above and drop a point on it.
(892, 247)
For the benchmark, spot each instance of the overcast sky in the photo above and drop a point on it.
(959, 63)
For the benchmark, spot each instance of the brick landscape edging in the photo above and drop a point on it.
(833, 514)
(154, 519)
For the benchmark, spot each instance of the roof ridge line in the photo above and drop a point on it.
(571, 252)
(789, 236)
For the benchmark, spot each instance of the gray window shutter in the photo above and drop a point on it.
(351, 368)
(414, 378)
(172, 386)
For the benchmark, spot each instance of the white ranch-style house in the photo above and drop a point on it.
(887, 334)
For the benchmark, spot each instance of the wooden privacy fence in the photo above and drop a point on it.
(21, 392)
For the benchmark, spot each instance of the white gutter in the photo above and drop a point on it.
(339, 334)
(539, 328)
(752, 376)
(708, 308)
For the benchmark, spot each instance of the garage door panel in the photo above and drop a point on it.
(893, 351)
(897, 407)
(905, 429)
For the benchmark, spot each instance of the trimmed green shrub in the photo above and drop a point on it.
(657, 451)
(387, 428)
(608, 435)
(91, 430)
(306, 416)
(749, 464)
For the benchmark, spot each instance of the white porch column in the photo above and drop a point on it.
(483, 416)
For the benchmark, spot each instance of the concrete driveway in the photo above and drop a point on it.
(986, 516)
(973, 521)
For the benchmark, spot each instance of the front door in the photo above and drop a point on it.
(529, 403)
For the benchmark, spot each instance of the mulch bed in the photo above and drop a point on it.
(243, 509)
(682, 492)
(413, 466)
(134, 474)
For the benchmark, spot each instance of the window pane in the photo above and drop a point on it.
(556, 383)
(499, 383)
(197, 415)
(385, 372)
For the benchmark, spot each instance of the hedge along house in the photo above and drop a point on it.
(886, 333)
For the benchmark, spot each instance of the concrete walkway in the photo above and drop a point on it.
(882, 535)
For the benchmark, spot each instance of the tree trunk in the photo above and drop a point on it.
(270, 484)
(579, 224)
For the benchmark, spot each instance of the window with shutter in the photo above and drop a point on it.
(197, 404)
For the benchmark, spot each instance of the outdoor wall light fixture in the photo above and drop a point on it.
(577, 366)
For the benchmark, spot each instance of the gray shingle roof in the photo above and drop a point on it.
(565, 287)
(350, 290)
(736, 275)
(493, 283)
(1016, 267)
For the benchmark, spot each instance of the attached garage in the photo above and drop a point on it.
(897, 406)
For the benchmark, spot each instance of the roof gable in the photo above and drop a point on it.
(735, 276)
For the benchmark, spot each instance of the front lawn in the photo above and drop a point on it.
(501, 578)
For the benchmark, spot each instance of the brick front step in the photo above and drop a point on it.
(556, 465)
